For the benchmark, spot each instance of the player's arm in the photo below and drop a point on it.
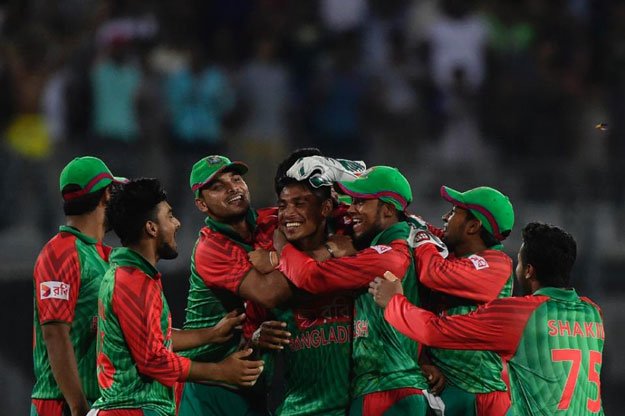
(184, 339)
(496, 326)
(63, 364)
(476, 278)
(138, 306)
(223, 264)
(268, 290)
(344, 273)
(56, 314)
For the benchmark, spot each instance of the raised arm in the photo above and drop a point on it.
(477, 277)
(344, 273)
(496, 326)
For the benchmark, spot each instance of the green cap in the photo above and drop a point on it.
(488, 205)
(207, 168)
(89, 173)
(380, 182)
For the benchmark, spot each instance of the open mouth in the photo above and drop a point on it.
(292, 225)
(235, 199)
(356, 224)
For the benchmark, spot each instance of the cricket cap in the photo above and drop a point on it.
(89, 173)
(380, 182)
(206, 169)
(488, 205)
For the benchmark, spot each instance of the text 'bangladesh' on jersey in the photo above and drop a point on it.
(383, 359)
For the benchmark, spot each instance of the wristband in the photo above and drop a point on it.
(271, 259)
(327, 246)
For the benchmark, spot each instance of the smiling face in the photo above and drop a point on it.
(301, 215)
(226, 198)
(367, 220)
(168, 225)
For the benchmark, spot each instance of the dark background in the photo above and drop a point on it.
(527, 96)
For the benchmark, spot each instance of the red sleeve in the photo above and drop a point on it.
(496, 326)
(477, 277)
(138, 304)
(435, 230)
(266, 223)
(220, 262)
(344, 273)
(57, 280)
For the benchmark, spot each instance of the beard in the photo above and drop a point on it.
(364, 240)
(167, 252)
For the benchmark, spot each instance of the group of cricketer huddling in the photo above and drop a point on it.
(370, 310)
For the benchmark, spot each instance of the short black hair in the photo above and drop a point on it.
(132, 205)
(551, 251)
(281, 180)
(83, 204)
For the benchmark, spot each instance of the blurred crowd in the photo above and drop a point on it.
(529, 90)
(524, 95)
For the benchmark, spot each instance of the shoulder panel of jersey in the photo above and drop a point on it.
(219, 261)
(590, 301)
(57, 279)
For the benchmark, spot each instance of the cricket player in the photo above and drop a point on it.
(386, 376)
(552, 339)
(222, 276)
(317, 351)
(137, 365)
(67, 278)
(475, 272)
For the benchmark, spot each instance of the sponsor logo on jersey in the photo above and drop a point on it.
(54, 290)
(382, 249)
(478, 261)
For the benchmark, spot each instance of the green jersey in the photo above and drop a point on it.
(67, 278)
(136, 366)
(552, 341)
(318, 358)
(459, 284)
(383, 358)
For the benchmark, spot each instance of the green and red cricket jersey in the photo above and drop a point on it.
(552, 340)
(136, 366)
(67, 278)
(218, 265)
(317, 361)
(460, 284)
(383, 359)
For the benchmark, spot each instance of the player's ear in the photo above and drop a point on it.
(151, 228)
(326, 208)
(201, 205)
(530, 272)
(473, 226)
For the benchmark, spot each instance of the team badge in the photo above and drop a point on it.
(479, 262)
(213, 160)
(382, 249)
(54, 290)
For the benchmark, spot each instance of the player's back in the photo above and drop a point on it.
(556, 366)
